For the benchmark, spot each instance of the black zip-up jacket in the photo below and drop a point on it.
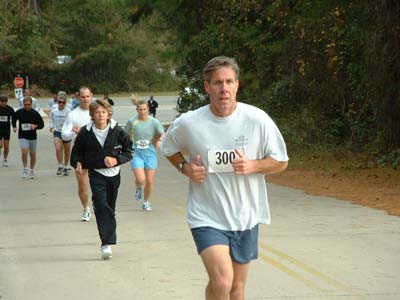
(88, 151)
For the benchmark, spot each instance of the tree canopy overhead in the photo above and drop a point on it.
(109, 52)
(327, 71)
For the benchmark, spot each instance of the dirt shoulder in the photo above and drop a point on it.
(376, 188)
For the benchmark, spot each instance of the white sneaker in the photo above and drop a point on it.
(24, 173)
(139, 194)
(106, 252)
(5, 163)
(146, 206)
(31, 174)
(60, 170)
(86, 215)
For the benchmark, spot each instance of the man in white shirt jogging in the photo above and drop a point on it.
(76, 119)
(225, 148)
(35, 104)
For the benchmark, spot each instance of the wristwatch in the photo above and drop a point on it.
(180, 166)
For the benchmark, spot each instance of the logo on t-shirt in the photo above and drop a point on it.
(241, 143)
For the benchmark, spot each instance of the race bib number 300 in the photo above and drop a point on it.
(220, 160)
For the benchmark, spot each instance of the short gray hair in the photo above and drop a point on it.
(84, 88)
(62, 95)
(219, 62)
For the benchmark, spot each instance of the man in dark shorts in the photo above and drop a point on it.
(225, 148)
(7, 114)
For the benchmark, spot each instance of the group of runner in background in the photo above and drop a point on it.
(225, 148)
(141, 136)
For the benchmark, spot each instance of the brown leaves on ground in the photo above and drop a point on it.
(375, 188)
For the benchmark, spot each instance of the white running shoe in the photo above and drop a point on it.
(24, 173)
(60, 170)
(5, 163)
(139, 194)
(66, 172)
(86, 215)
(147, 206)
(106, 252)
(31, 174)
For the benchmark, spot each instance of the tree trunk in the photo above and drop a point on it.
(34, 7)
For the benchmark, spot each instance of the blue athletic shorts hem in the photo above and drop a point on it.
(243, 245)
(147, 160)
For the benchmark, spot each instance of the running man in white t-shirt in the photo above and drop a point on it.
(225, 149)
(35, 103)
(76, 119)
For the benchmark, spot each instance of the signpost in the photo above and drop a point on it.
(18, 83)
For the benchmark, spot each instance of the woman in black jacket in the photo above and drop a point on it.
(101, 147)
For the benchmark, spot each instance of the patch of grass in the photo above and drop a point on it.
(331, 160)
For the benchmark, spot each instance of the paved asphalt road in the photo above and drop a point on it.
(316, 247)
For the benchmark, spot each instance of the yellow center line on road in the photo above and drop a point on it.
(178, 209)
(292, 273)
(304, 267)
(309, 283)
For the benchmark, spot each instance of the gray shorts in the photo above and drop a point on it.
(31, 144)
(243, 245)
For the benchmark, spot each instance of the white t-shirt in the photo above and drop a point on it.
(224, 200)
(51, 103)
(78, 117)
(101, 135)
(57, 118)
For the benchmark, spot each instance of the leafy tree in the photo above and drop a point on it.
(328, 69)
(108, 52)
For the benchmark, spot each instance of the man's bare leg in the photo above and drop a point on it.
(83, 188)
(226, 278)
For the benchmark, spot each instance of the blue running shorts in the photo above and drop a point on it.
(144, 160)
(243, 245)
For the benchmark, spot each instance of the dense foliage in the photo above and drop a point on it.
(327, 71)
(109, 52)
